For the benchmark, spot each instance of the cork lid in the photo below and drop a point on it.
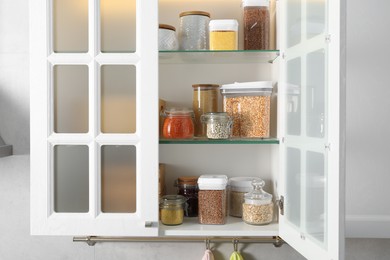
(166, 26)
(188, 180)
(205, 86)
(194, 13)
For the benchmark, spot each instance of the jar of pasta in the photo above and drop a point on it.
(223, 34)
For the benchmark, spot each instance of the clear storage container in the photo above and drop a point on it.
(237, 188)
(167, 39)
(223, 34)
(218, 125)
(258, 208)
(172, 209)
(205, 99)
(256, 24)
(178, 123)
(212, 199)
(188, 187)
(194, 31)
(250, 106)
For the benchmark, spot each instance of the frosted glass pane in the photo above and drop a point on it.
(293, 186)
(315, 196)
(315, 96)
(70, 25)
(70, 94)
(315, 12)
(118, 25)
(293, 105)
(118, 175)
(71, 178)
(118, 99)
(294, 22)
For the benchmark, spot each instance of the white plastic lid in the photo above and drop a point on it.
(223, 25)
(241, 184)
(212, 182)
(255, 3)
(255, 87)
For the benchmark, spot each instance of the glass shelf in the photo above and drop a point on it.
(216, 57)
(225, 141)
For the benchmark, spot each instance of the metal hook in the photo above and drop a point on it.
(208, 244)
(235, 245)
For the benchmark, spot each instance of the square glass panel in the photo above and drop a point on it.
(293, 106)
(71, 178)
(118, 99)
(70, 25)
(315, 17)
(118, 25)
(315, 95)
(70, 98)
(293, 186)
(294, 22)
(316, 182)
(118, 178)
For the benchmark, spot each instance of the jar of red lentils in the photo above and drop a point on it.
(178, 123)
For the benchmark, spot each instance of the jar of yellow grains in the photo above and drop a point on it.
(172, 209)
(223, 34)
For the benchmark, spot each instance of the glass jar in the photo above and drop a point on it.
(178, 123)
(256, 24)
(223, 34)
(237, 188)
(194, 31)
(258, 208)
(218, 125)
(212, 199)
(205, 99)
(167, 39)
(188, 187)
(172, 209)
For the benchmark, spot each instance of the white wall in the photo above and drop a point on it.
(367, 157)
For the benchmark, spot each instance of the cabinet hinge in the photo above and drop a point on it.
(327, 38)
(281, 205)
(327, 146)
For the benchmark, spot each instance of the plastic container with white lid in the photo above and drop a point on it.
(256, 22)
(249, 104)
(258, 208)
(212, 199)
(237, 188)
(223, 34)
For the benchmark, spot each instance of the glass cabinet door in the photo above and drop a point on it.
(94, 118)
(311, 102)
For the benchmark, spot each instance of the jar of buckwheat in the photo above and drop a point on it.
(212, 199)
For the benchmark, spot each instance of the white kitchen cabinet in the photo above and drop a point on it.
(96, 76)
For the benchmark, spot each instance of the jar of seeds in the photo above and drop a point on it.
(212, 199)
(218, 125)
(237, 188)
(258, 208)
(256, 24)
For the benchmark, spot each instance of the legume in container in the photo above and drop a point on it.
(205, 99)
(237, 188)
(178, 123)
(223, 34)
(172, 209)
(218, 125)
(212, 199)
(258, 208)
(256, 24)
(249, 104)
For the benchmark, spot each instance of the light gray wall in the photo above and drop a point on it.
(367, 155)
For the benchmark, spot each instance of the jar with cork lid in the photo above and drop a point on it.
(194, 31)
(187, 186)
